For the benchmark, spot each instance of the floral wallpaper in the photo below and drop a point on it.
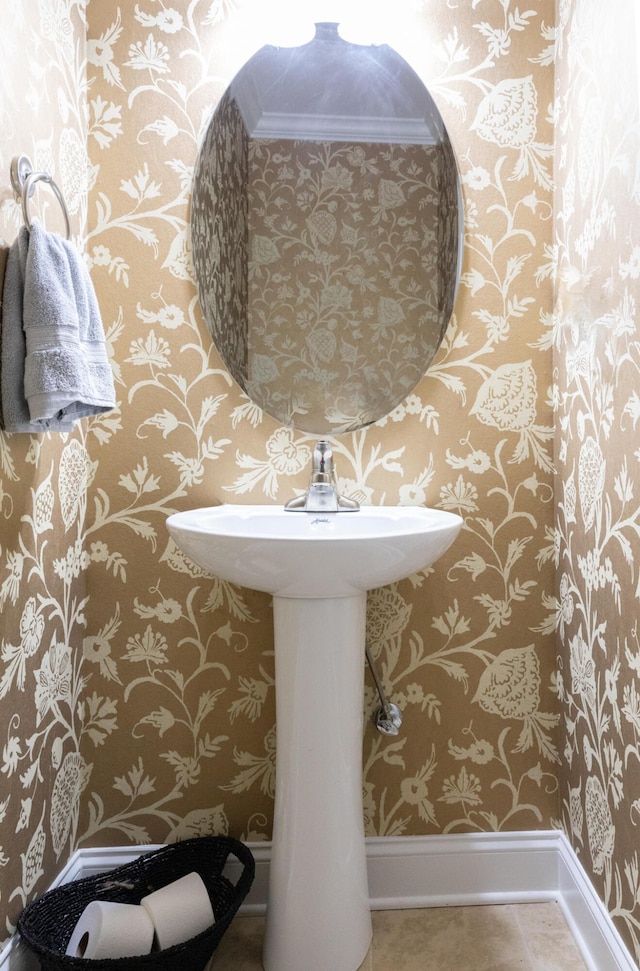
(597, 363)
(338, 326)
(336, 231)
(220, 243)
(138, 693)
(182, 662)
(43, 491)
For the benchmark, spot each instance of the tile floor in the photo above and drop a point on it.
(510, 937)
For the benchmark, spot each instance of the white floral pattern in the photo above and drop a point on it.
(598, 517)
(109, 632)
(322, 230)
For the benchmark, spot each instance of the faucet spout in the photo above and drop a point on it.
(322, 494)
(322, 467)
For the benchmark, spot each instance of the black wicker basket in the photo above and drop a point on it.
(46, 924)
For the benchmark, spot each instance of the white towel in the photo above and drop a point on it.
(4, 253)
(54, 367)
(67, 373)
(15, 410)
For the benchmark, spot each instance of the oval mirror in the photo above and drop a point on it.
(326, 229)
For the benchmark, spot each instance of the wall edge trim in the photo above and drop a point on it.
(460, 869)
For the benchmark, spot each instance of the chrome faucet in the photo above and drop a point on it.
(322, 494)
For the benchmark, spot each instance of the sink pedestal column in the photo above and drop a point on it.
(318, 916)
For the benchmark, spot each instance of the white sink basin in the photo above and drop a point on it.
(313, 555)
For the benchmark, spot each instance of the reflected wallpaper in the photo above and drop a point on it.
(337, 312)
(137, 692)
(331, 294)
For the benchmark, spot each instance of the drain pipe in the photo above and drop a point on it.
(386, 717)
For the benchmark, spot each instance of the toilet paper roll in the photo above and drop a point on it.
(111, 930)
(179, 911)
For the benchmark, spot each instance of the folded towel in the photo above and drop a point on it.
(55, 367)
(67, 373)
(15, 410)
(4, 253)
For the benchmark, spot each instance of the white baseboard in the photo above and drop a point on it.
(433, 871)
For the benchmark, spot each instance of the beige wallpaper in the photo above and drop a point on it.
(336, 230)
(220, 246)
(183, 662)
(138, 693)
(597, 364)
(43, 483)
(305, 257)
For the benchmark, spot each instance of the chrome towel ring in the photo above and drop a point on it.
(24, 179)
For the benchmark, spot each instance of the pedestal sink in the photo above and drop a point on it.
(318, 567)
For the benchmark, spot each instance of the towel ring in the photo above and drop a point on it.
(24, 179)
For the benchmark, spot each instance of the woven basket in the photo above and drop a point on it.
(47, 923)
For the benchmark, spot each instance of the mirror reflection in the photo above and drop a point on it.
(326, 231)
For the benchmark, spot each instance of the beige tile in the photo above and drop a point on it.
(464, 938)
(241, 947)
(550, 942)
(515, 937)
